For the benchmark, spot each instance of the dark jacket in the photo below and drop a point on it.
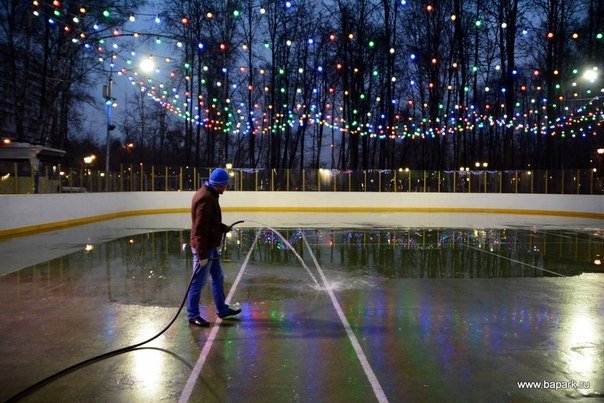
(207, 227)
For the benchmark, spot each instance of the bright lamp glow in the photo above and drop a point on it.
(147, 65)
(591, 75)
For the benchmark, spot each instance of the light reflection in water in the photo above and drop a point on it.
(581, 342)
(151, 269)
(148, 365)
(444, 253)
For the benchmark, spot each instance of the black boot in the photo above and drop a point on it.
(230, 312)
(199, 321)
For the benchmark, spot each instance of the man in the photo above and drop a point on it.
(206, 234)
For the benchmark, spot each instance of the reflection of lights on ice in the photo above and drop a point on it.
(598, 262)
(582, 339)
(148, 364)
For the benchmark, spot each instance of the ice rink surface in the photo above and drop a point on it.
(392, 307)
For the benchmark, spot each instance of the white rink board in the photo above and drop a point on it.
(20, 211)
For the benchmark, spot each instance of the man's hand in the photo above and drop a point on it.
(203, 262)
(228, 228)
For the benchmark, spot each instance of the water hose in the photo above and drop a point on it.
(224, 235)
(112, 353)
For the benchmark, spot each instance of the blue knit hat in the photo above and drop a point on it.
(219, 177)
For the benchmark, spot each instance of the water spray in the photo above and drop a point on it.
(290, 247)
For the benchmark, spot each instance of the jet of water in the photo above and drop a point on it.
(290, 247)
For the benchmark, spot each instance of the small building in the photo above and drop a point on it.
(29, 168)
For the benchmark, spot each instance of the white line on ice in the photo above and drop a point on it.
(375, 384)
(553, 234)
(515, 261)
(186, 393)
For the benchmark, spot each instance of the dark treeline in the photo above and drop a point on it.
(45, 72)
(345, 84)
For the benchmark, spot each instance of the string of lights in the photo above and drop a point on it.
(577, 115)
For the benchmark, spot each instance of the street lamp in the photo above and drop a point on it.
(88, 160)
(147, 65)
(591, 75)
(600, 158)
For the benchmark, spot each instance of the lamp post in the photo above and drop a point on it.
(108, 103)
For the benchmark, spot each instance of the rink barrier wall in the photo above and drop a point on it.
(25, 214)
